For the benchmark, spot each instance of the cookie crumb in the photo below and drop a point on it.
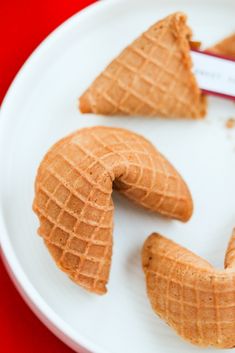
(230, 123)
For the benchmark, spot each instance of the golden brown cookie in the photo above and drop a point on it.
(151, 77)
(225, 47)
(193, 297)
(73, 196)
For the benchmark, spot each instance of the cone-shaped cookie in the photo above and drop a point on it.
(195, 299)
(73, 196)
(151, 77)
(226, 47)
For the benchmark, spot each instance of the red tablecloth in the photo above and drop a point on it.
(23, 25)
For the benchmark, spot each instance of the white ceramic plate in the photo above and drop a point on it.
(41, 107)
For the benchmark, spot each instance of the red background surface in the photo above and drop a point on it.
(23, 25)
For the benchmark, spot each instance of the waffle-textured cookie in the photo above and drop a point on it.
(193, 297)
(151, 77)
(73, 196)
(225, 47)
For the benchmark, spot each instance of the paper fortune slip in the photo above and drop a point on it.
(215, 74)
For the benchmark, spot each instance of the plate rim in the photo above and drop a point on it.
(30, 295)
